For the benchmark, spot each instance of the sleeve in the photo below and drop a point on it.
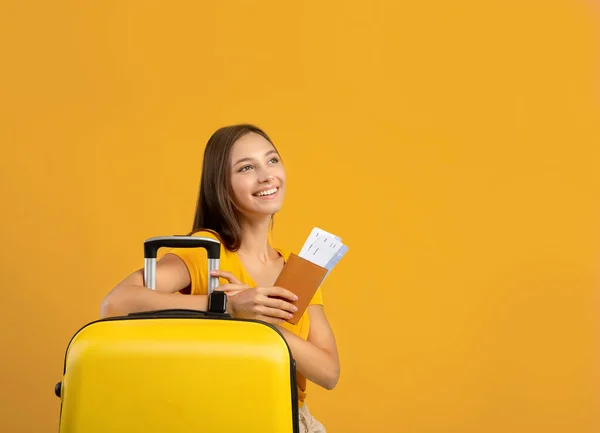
(196, 261)
(317, 298)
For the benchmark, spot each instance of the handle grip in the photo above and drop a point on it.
(152, 245)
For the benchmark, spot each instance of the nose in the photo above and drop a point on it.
(265, 175)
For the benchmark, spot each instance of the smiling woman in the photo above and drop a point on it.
(242, 187)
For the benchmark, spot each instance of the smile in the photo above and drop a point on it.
(266, 193)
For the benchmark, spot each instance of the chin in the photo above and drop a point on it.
(269, 211)
(261, 213)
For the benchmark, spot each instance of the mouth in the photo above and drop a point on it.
(267, 193)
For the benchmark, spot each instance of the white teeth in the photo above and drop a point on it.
(267, 192)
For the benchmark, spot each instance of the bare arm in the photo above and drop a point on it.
(131, 296)
(316, 358)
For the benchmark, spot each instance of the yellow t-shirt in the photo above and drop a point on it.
(197, 263)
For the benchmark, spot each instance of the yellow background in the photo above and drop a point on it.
(453, 145)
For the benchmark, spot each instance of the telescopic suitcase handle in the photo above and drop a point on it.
(151, 246)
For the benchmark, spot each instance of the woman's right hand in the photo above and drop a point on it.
(257, 303)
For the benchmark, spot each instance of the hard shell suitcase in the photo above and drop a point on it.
(178, 371)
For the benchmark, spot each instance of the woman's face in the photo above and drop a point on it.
(257, 176)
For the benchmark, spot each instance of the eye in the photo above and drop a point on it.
(244, 168)
(274, 160)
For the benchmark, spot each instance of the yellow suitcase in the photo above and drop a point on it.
(178, 371)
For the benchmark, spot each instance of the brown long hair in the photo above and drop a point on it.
(215, 209)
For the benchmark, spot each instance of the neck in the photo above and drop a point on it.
(255, 238)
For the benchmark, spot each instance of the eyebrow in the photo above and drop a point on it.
(250, 159)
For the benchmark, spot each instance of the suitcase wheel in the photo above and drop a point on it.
(57, 389)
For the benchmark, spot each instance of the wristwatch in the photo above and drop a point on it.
(217, 302)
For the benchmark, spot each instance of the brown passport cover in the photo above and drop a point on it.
(301, 277)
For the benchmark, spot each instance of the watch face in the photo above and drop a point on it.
(217, 302)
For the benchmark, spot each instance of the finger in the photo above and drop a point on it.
(274, 313)
(281, 292)
(224, 287)
(279, 304)
(229, 288)
(271, 320)
(233, 292)
(226, 275)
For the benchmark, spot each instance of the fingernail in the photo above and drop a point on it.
(295, 298)
(294, 308)
(290, 316)
(213, 272)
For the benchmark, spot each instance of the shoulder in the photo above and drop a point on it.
(196, 261)
(211, 234)
(195, 254)
(206, 233)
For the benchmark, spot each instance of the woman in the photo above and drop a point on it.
(242, 187)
